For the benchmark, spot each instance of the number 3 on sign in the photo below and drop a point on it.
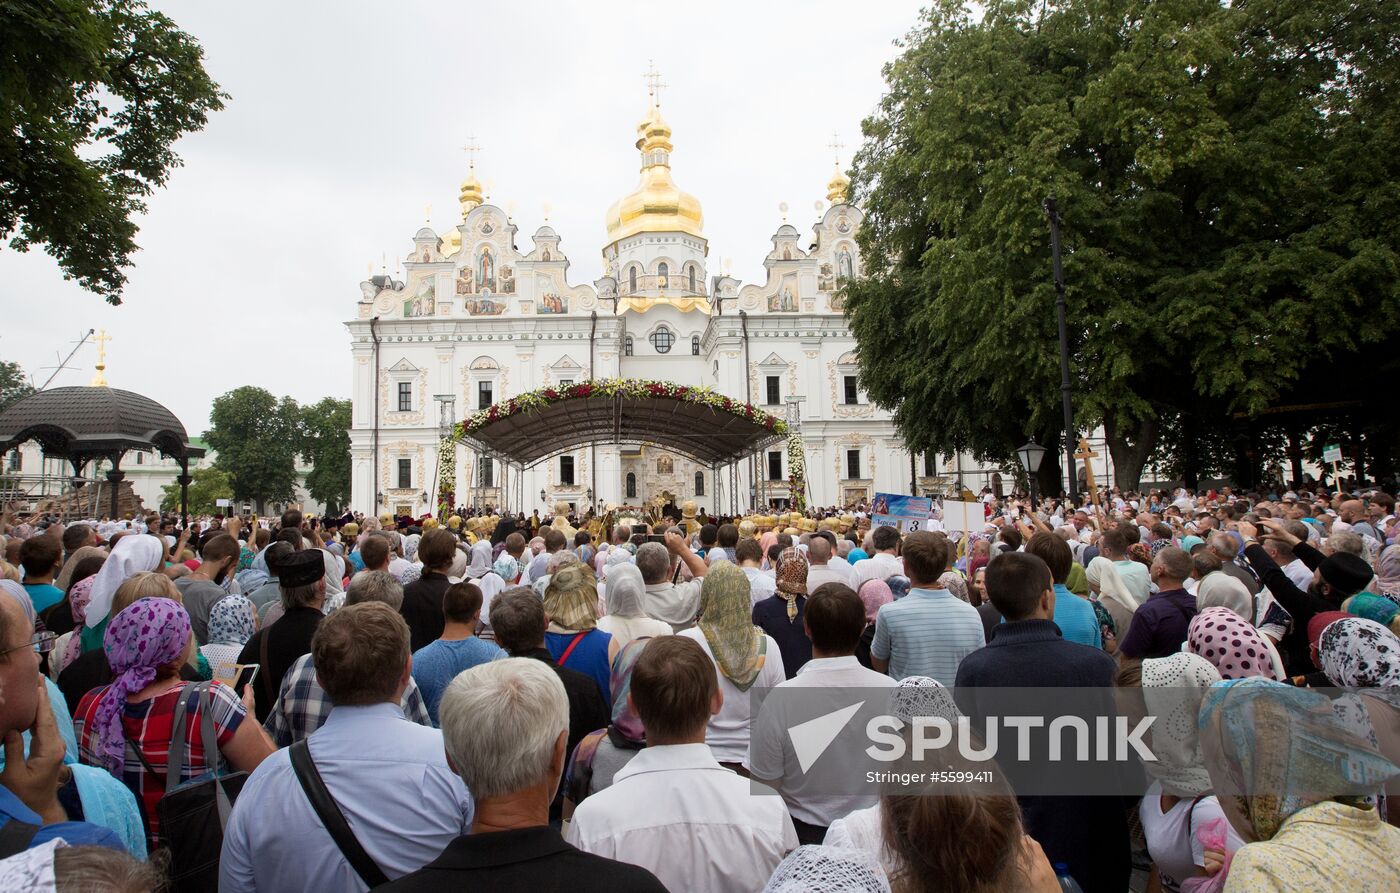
(913, 526)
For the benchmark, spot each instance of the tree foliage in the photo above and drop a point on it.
(325, 446)
(93, 96)
(14, 385)
(1231, 218)
(257, 438)
(207, 487)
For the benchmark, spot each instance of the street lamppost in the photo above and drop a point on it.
(543, 495)
(1071, 436)
(1031, 455)
(588, 495)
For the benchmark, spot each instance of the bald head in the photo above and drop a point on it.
(1352, 510)
(819, 550)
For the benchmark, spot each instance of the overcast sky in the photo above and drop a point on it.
(345, 123)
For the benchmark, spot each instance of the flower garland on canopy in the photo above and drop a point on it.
(632, 388)
(797, 472)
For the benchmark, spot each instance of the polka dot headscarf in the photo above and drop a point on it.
(1234, 647)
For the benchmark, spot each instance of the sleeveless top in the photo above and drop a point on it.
(590, 656)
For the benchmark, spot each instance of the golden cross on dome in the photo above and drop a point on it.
(100, 379)
(836, 146)
(653, 79)
(471, 148)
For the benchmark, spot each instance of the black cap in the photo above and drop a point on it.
(301, 568)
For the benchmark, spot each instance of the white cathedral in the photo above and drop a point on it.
(476, 320)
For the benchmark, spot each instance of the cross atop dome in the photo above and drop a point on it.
(654, 84)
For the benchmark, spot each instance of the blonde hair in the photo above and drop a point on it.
(8, 571)
(149, 584)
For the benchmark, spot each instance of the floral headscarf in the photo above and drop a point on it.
(1172, 689)
(79, 595)
(507, 569)
(873, 594)
(1359, 653)
(1388, 571)
(791, 579)
(231, 621)
(726, 619)
(149, 633)
(1234, 647)
(1260, 740)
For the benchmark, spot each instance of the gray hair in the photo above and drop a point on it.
(562, 558)
(654, 561)
(395, 541)
(375, 586)
(1346, 541)
(301, 596)
(501, 721)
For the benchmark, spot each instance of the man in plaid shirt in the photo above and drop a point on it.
(302, 704)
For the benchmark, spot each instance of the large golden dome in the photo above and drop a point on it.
(657, 204)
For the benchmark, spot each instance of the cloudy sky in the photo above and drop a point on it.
(346, 122)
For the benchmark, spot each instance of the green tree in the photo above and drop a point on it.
(325, 447)
(1212, 164)
(93, 97)
(257, 438)
(14, 385)
(208, 486)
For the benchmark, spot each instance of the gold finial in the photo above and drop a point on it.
(654, 85)
(838, 189)
(100, 379)
(471, 148)
(836, 146)
(546, 208)
(470, 194)
(428, 213)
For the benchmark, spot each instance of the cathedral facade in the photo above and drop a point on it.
(478, 318)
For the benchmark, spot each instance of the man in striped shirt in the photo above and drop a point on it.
(929, 631)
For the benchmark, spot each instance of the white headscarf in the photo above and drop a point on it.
(481, 560)
(335, 572)
(31, 869)
(1220, 590)
(1173, 688)
(625, 591)
(1104, 575)
(132, 555)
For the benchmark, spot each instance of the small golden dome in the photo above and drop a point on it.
(839, 188)
(470, 196)
(657, 204)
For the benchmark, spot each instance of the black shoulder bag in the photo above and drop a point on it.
(331, 816)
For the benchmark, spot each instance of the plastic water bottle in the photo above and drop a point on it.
(1067, 883)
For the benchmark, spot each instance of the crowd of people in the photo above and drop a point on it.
(414, 704)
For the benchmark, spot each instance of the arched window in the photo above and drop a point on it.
(695, 345)
(663, 275)
(699, 483)
(627, 346)
(663, 339)
(632, 279)
(631, 485)
(691, 271)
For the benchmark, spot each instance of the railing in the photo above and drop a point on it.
(670, 285)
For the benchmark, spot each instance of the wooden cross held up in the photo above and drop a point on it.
(1084, 455)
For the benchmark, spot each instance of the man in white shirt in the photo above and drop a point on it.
(884, 562)
(1282, 554)
(839, 561)
(834, 620)
(820, 572)
(673, 810)
(750, 559)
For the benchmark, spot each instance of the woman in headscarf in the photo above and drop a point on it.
(1374, 607)
(780, 615)
(1218, 589)
(1113, 593)
(1388, 573)
(766, 542)
(602, 753)
(1308, 823)
(1361, 654)
(873, 594)
(83, 563)
(743, 655)
(1232, 645)
(232, 622)
(573, 637)
(1179, 803)
(626, 620)
(146, 645)
(70, 645)
(132, 555)
(480, 564)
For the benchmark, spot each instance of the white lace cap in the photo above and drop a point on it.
(827, 869)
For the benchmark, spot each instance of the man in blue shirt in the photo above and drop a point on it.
(42, 556)
(457, 649)
(929, 631)
(389, 777)
(1073, 615)
(30, 813)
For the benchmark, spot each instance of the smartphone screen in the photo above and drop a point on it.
(236, 676)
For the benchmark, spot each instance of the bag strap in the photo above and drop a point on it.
(572, 645)
(331, 816)
(175, 756)
(213, 758)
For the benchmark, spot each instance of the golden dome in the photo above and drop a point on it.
(657, 204)
(470, 195)
(839, 188)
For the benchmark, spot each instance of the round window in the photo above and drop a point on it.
(662, 339)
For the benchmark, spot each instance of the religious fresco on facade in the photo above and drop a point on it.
(486, 271)
(665, 464)
(552, 303)
(424, 302)
(785, 301)
(838, 302)
(486, 304)
(507, 280)
(466, 283)
(826, 280)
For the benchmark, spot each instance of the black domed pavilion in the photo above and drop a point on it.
(89, 424)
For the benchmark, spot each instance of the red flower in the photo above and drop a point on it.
(583, 390)
(551, 393)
